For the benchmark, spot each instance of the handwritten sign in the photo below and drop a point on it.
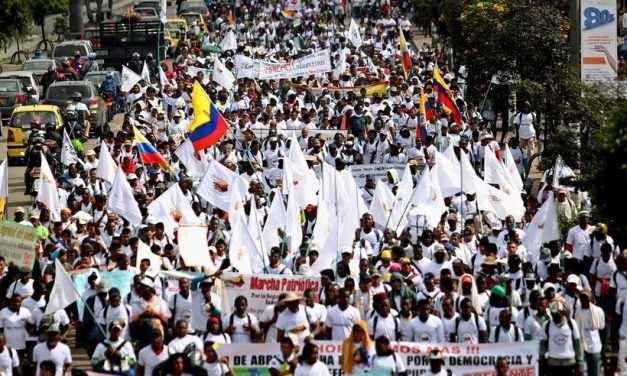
(17, 243)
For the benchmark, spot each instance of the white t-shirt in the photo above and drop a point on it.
(218, 338)
(593, 339)
(430, 331)
(560, 344)
(513, 334)
(341, 322)
(216, 368)
(602, 270)
(14, 326)
(177, 345)
(467, 331)
(384, 326)
(392, 363)
(297, 323)
(60, 355)
(240, 335)
(579, 239)
(533, 327)
(317, 369)
(21, 289)
(148, 359)
(183, 309)
(525, 123)
(8, 361)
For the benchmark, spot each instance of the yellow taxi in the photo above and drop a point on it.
(20, 124)
(173, 29)
(191, 17)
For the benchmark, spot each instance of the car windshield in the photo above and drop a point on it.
(20, 119)
(146, 11)
(68, 50)
(24, 80)
(190, 18)
(8, 86)
(64, 92)
(99, 78)
(36, 65)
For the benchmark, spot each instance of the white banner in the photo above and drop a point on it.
(328, 133)
(460, 359)
(316, 63)
(264, 289)
(379, 171)
(192, 242)
(246, 67)
(598, 40)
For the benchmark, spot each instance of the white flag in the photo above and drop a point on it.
(63, 291)
(236, 207)
(398, 221)
(447, 175)
(339, 66)
(293, 228)
(428, 199)
(543, 228)
(275, 221)
(48, 191)
(163, 12)
(172, 208)
(494, 172)
(216, 185)
(229, 42)
(195, 167)
(129, 79)
(144, 252)
(242, 248)
(353, 34)
(222, 75)
(322, 229)
(254, 227)
(107, 168)
(68, 153)
(121, 200)
(162, 77)
(145, 73)
(381, 205)
(512, 168)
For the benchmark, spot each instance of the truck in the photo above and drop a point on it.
(120, 37)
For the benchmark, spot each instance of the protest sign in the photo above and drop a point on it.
(371, 89)
(120, 279)
(262, 133)
(17, 244)
(245, 67)
(460, 359)
(264, 289)
(316, 63)
(192, 242)
(379, 171)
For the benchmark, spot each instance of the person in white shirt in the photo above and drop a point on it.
(469, 327)
(525, 122)
(425, 327)
(22, 286)
(214, 365)
(295, 319)
(385, 359)
(9, 361)
(578, 238)
(383, 323)
(308, 363)
(53, 350)
(601, 271)
(436, 361)
(341, 318)
(593, 321)
(506, 331)
(152, 355)
(180, 304)
(13, 320)
(241, 325)
(183, 339)
(560, 342)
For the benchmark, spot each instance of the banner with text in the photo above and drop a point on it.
(316, 63)
(460, 359)
(371, 89)
(264, 289)
(262, 133)
(17, 243)
(598, 40)
(379, 171)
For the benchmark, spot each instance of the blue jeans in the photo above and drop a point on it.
(593, 363)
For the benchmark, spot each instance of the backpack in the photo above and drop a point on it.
(570, 325)
(498, 331)
(458, 320)
(106, 309)
(232, 317)
(396, 331)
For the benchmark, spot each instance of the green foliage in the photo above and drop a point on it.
(607, 178)
(16, 21)
(43, 8)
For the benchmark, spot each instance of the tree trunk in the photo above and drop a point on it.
(43, 35)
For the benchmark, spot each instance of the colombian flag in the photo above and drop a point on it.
(148, 153)
(405, 57)
(444, 96)
(426, 114)
(287, 16)
(208, 125)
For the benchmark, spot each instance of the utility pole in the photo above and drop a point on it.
(76, 18)
(575, 35)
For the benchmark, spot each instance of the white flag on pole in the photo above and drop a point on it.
(144, 252)
(68, 154)
(163, 11)
(543, 228)
(172, 208)
(229, 42)
(129, 79)
(428, 199)
(63, 291)
(162, 77)
(107, 168)
(48, 191)
(216, 185)
(195, 167)
(293, 229)
(145, 73)
(222, 75)
(353, 34)
(275, 222)
(121, 200)
(242, 247)
(381, 205)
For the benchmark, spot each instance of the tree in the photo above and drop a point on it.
(607, 177)
(42, 8)
(16, 21)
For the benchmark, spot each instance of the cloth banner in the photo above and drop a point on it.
(120, 279)
(246, 67)
(379, 171)
(262, 133)
(316, 63)
(17, 244)
(380, 87)
(192, 242)
(460, 359)
(264, 289)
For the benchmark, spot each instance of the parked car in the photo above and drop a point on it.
(194, 7)
(28, 79)
(59, 94)
(20, 124)
(13, 94)
(38, 67)
(65, 50)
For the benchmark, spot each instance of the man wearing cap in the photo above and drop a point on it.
(578, 239)
(571, 294)
(18, 216)
(436, 361)
(54, 350)
(438, 263)
(560, 344)
(600, 237)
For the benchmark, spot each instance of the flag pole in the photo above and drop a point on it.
(263, 252)
(485, 97)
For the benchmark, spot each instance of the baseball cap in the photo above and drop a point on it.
(386, 254)
(573, 279)
(103, 286)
